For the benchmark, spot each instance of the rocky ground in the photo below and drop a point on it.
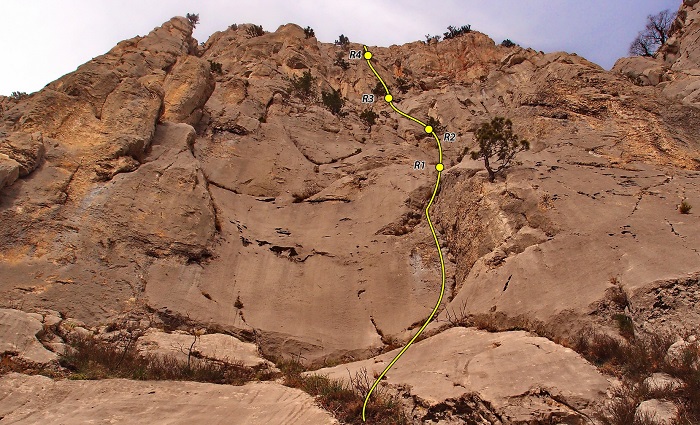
(147, 192)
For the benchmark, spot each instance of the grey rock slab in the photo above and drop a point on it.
(18, 334)
(213, 346)
(503, 369)
(37, 399)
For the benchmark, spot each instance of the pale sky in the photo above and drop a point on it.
(45, 39)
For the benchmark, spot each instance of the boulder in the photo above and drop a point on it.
(187, 88)
(676, 353)
(9, 170)
(211, 346)
(18, 337)
(662, 382)
(642, 71)
(657, 412)
(27, 149)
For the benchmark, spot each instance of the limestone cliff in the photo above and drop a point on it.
(145, 182)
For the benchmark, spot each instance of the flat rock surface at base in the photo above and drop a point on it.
(511, 371)
(37, 399)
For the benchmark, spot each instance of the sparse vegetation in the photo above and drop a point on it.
(498, 144)
(369, 117)
(90, 358)
(233, 27)
(654, 35)
(546, 202)
(341, 62)
(193, 18)
(453, 32)
(403, 85)
(684, 207)
(255, 31)
(625, 325)
(19, 95)
(435, 123)
(303, 86)
(432, 38)
(508, 43)
(378, 90)
(342, 41)
(617, 295)
(215, 67)
(343, 400)
(238, 304)
(309, 32)
(634, 361)
(333, 101)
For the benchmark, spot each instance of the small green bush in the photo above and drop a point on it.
(333, 101)
(309, 32)
(403, 85)
(437, 127)
(379, 90)
(255, 31)
(193, 18)
(233, 27)
(453, 32)
(625, 325)
(341, 62)
(19, 95)
(303, 87)
(685, 207)
(369, 117)
(432, 39)
(508, 43)
(215, 67)
(342, 41)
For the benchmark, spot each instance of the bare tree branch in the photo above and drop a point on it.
(654, 35)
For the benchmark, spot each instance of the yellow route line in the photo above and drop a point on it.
(439, 167)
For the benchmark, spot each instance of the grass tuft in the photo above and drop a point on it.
(344, 400)
(89, 359)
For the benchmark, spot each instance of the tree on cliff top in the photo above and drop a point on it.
(654, 35)
(193, 18)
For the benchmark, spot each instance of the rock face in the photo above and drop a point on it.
(510, 376)
(675, 68)
(37, 399)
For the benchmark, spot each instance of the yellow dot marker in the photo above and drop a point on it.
(439, 167)
(388, 98)
(368, 55)
(428, 129)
